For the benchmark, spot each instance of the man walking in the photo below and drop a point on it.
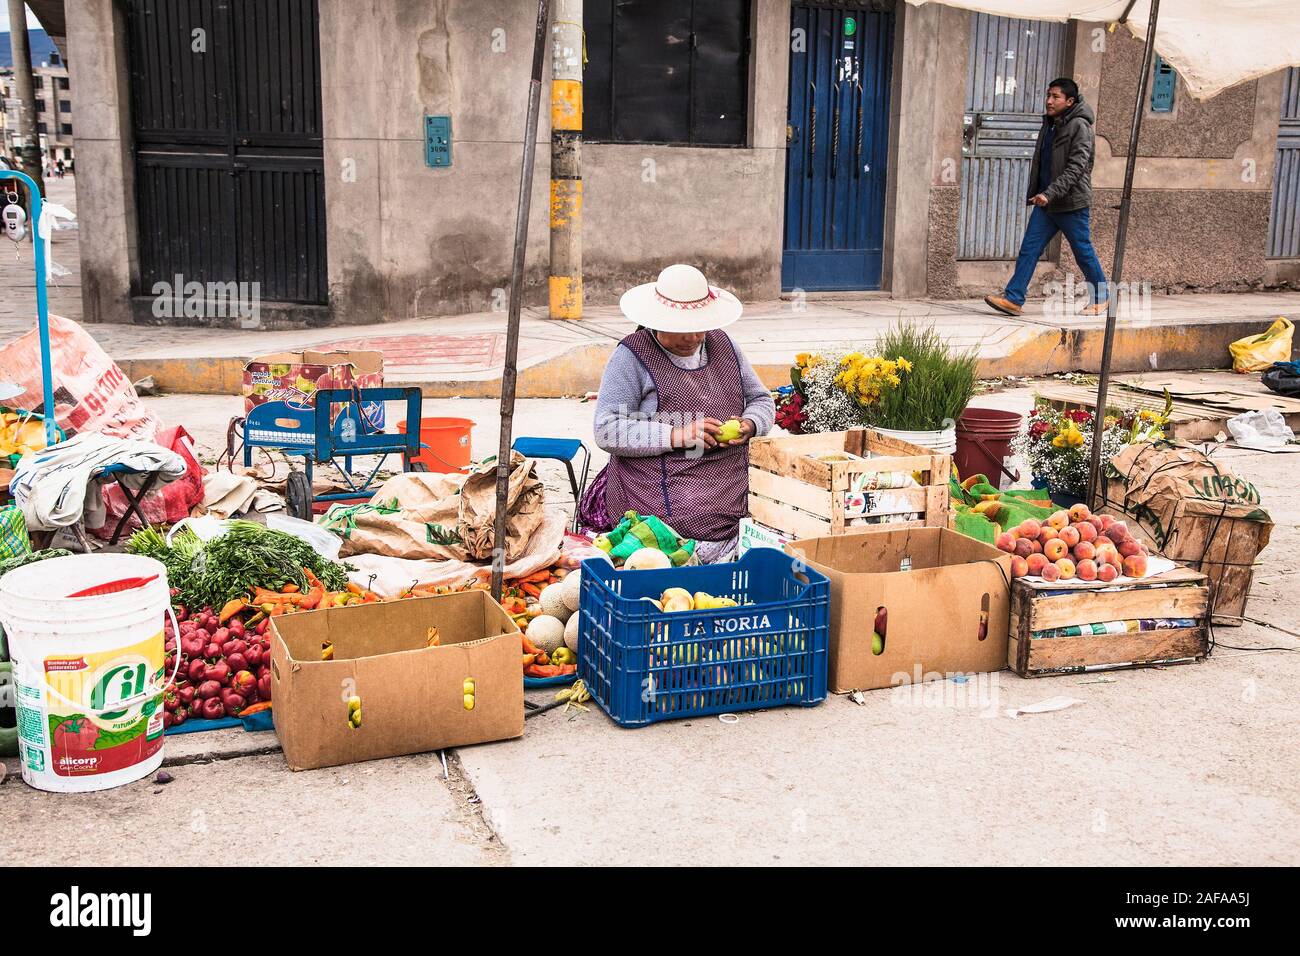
(1060, 190)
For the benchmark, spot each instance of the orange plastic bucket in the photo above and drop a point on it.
(446, 441)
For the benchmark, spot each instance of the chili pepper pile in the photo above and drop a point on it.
(264, 602)
(537, 663)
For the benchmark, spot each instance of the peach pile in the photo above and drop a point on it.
(1074, 544)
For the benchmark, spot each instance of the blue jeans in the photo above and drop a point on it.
(1043, 226)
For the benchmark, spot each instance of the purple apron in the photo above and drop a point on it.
(699, 496)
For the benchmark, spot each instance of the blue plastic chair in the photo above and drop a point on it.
(563, 450)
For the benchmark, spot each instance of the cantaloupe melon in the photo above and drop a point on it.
(647, 559)
(571, 632)
(573, 590)
(553, 602)
(546, 632)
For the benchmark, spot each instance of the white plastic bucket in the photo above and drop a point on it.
(944, 441)
(88, 671)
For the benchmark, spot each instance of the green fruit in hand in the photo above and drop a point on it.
(730, 430)
(877, 643)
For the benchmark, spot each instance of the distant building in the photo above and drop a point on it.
(827, 146)
(53, 109)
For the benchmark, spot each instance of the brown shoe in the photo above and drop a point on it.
(1095, 308)
(1002, 304)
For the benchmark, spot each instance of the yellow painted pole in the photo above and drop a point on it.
(565, 284)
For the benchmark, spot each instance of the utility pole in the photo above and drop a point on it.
(565, 284)
(27, 141)
(510, 367)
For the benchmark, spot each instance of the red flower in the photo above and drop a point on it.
(1079, 415)
(790, 415)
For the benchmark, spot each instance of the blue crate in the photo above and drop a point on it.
(643, 665)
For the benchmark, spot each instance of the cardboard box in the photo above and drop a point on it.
(412, 696)
(945, 597)
(293, 378)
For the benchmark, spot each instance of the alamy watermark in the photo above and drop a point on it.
(208, 300)
(1065, 299)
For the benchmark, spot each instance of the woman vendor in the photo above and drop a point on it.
(666, 397)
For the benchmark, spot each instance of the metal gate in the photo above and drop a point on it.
(227, 116)
(836, 149)
(1284, 222)
(1011, 62)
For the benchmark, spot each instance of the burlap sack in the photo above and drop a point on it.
(412, 515)
(525, 500)
(1161, 482)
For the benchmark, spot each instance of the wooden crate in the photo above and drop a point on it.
(803, 497)
(1037, 607)
(1204, 539)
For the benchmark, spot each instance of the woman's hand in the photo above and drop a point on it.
(747, 430)
(702, 431)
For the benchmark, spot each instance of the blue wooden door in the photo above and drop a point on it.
(837, 145)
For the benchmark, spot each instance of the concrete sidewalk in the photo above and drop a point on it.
(462, 355)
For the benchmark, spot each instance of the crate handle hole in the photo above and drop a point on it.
(983, 632)
(879, 630)
(288, 423)
(802, 578)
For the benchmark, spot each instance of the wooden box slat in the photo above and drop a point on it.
(801, 496)
(1181, 593)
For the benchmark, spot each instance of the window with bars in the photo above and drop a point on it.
(666, 71)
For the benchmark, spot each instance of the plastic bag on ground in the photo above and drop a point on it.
(1283, 378)
(1255, 353)
(1261, 429)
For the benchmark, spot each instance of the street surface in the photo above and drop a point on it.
(1190, 765)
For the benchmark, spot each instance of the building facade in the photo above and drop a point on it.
(783, 147)
(53, 111)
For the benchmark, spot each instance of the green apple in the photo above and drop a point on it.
(730, 430)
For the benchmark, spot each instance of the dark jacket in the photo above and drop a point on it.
(1070, 185)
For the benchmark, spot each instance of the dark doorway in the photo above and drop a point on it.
(226, 106)
(837, 146)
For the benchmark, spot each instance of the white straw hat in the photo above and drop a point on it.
(681, 300)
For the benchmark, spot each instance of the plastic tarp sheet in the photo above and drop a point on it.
(1213, 44)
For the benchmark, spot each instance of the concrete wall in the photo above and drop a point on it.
(97, 67)
(1203, 182)
(1201, 190)
(406, 240)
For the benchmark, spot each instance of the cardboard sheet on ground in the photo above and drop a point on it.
(1156, 565)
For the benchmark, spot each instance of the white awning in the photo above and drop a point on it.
(1213, 44)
